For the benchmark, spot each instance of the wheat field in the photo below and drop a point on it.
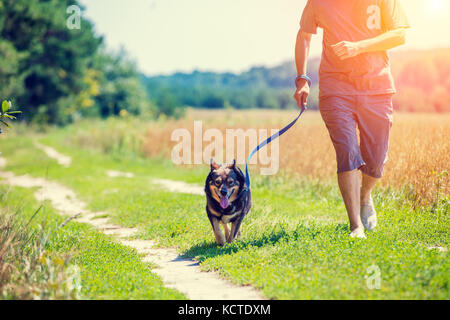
(419, 154)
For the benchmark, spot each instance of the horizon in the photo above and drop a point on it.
(238, 73)
(208, 42)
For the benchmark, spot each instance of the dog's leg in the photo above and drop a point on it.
(233, 232)
(227, 231)
(215, 223)
(235, 229)
(220, 238)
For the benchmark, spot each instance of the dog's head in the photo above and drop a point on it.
(224, 183)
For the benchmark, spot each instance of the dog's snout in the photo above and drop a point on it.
(223, 191)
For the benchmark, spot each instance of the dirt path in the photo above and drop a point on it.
(115, 174)
(176, 272)
(170, 185)
(179, 186)
(52, 153)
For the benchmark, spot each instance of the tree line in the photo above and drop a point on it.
(259, 87)
(422, 80)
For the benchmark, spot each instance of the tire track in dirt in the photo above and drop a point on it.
(183, 274)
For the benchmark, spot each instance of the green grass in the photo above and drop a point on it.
(107, 269)
(294, 244)
(27, 270)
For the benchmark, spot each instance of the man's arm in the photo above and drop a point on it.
(302, 46)
(383, 42)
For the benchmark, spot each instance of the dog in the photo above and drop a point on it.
(228, 200)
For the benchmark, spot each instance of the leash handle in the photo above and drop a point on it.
(266, 142)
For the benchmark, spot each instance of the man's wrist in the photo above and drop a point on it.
(361, 46)
(304, 77)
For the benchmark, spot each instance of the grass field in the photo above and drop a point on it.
(295, 242)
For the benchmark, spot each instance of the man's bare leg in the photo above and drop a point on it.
(368, 213)
(350, 186)
(368, 183)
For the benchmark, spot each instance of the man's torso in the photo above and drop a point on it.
(352, 20)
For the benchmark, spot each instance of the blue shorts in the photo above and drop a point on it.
(372, 115)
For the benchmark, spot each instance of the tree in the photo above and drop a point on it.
(266, 100)
(120, 87)
(168, 105)
(49, 60)
(6, 112)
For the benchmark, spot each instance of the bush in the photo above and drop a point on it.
(27, 270)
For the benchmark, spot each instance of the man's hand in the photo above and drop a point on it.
(302, 93)
(383, 42)
(346, 49)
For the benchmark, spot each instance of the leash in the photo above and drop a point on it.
(266, 142)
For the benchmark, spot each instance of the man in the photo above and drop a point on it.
(355, 90)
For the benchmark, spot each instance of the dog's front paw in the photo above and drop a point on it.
(220, 240)
(231, 238)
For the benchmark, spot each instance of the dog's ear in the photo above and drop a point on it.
(214, 165)
(241, 176)
(233, 165)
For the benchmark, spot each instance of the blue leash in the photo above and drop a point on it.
(267, 141)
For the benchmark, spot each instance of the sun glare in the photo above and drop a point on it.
(437, 4)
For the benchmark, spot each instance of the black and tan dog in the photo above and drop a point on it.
(228, 200)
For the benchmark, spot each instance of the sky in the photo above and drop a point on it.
(166, 36)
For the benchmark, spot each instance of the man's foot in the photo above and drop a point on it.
(358, 233)
(369, 216)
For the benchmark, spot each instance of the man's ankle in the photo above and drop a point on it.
(366, 200)
(357, 226)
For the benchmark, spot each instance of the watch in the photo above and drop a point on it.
(303, 76)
